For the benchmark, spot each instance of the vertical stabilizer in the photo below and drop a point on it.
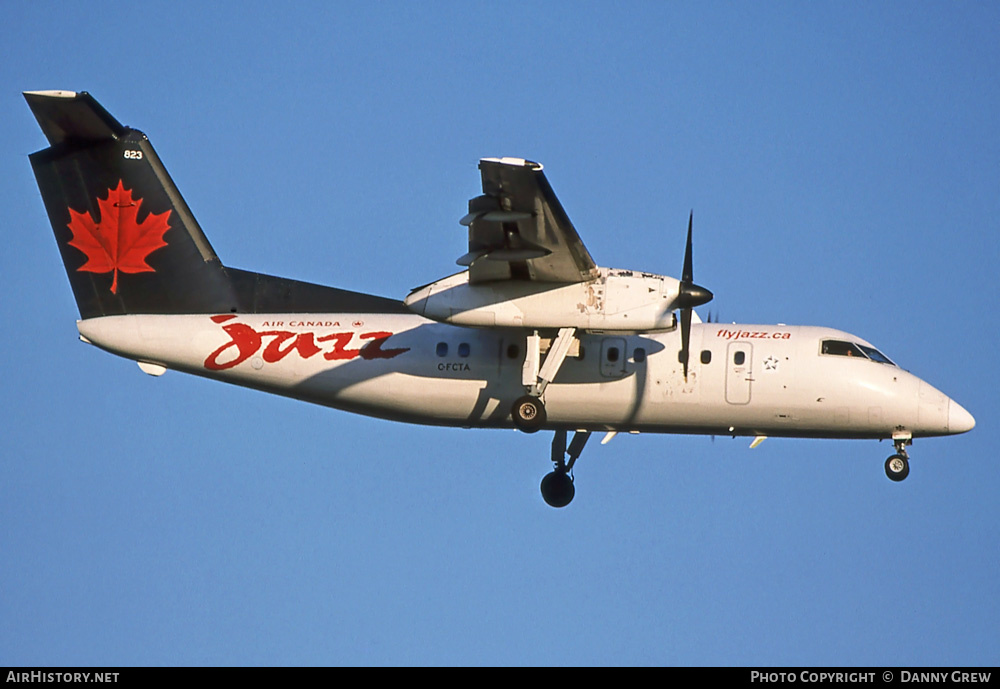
(128, 240)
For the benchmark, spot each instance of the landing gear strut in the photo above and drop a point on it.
(528, 412)
(557, 486)
(897, 467)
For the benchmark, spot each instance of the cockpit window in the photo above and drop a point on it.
(842, 348)
(876, 355)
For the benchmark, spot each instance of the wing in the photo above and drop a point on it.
(518, 230)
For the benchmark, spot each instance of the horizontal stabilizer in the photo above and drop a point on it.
(68, 116)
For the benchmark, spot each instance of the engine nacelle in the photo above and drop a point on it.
(618, 300)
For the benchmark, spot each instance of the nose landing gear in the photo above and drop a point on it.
(897, 467)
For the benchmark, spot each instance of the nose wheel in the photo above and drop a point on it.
(897, 467)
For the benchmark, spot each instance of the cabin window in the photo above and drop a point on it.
(464, 349)
(612, 354)
(639, 355)
(442, 349)
(706, 356)
(739, 358)
(513, 351)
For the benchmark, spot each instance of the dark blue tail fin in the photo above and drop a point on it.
(128, 240)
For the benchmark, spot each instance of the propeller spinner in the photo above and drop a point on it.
(689, 296)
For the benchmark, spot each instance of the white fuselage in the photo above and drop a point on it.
(743, 379)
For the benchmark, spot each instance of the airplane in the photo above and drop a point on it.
(531, 334)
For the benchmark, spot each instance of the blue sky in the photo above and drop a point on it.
(842, 163)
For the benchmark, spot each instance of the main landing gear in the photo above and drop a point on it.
(557, 486)
(528, 412)
(897, 467)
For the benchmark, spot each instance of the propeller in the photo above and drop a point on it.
(689, 295)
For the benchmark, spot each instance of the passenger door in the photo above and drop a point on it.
(739, 372)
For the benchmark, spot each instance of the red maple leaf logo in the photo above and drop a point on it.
(117, 242)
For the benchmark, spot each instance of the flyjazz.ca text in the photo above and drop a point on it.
(752, 335)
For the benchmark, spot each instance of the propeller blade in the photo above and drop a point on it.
(685, 339)
(689, 295)
(687, 276)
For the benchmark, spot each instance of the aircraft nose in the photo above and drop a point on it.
(959, 420)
